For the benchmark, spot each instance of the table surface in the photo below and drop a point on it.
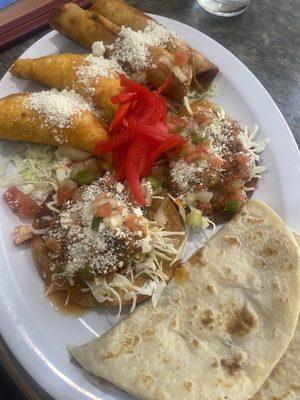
(266, 38)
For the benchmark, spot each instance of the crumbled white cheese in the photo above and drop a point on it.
(102, 249)
(137, 211)
(94, 68)
(133, 46)
(98, 49)
(119, 187)
(57, 108)
(186, 175)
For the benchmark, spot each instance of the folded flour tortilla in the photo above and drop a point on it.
(219, 327)
(284, 381)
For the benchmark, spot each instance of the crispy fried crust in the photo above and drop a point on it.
(82, 26)
(40, 255)
(17, 122)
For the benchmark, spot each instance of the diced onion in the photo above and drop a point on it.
(114, 221)
(146, 245)
(204, 197)
(167, 61)
(98, 49)
(160, 217)
(39, 231)
(72, 153)
(179, 74)
(187, 105)
(139, 77)
(194, 218)
(69, 183)
(28, 189)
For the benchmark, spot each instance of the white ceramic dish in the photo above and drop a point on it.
(34, 331)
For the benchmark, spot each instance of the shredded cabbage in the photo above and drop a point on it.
(160, 247)
(37, 169)
(210, 92)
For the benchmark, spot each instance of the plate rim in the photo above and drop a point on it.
(25, 350)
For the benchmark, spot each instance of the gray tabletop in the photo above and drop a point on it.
(266, 38)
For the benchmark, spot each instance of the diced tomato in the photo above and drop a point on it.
(120, 209)
(104, 210)
(214, 160)
(64, 194)
(195, 153)
(243, 160)
(181, 58)
(101, 196)
(20, 203)
(135, 224)
(176, 123)
(179, 122)
(203, 115)
(236, 196)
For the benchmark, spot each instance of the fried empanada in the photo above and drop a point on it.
(50, 117)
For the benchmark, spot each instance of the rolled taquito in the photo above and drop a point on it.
(122, 14)
(83, 26)
(70, 20)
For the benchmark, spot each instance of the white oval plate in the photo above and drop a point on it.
(34, 331)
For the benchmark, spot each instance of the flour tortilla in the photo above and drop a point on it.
(284, 381)
(220, 326)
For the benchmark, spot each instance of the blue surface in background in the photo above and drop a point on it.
(5, 3)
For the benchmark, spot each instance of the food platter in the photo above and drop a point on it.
(33, 330)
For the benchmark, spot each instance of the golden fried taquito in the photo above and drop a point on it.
(123, 14)
(82, 26)
(95, 78)
(99, 28)
(50, 117)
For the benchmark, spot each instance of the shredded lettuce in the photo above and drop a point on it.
(210, 92)
(37, 169)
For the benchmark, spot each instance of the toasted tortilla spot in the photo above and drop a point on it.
(147, 380)
(231, 240)
(149, 332)
(175, 322)
(208, 319)
(214, 363)
(271, 251)
(195, 342)
(254, 220)
(188, 385)
(126, 346)
(232, 365)
(211, 288)
(243, 322)
(261, 263)
(181, 274)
